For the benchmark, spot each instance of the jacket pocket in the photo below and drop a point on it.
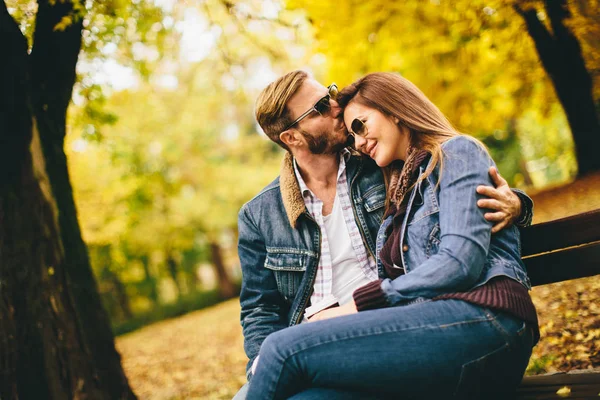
(426, 208)
(433, 243)
(374, 199)
(288, 266)
(422, 236)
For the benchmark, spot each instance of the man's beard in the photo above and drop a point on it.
(324, 143)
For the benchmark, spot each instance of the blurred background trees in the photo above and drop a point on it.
(162, 147)
(165, 150)
(478, 63)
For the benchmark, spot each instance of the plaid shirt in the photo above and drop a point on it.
(324, 282)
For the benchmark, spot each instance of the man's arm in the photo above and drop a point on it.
(511, 206)
(263, 309)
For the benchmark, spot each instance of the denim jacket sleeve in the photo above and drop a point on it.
(526, 216)
(464, 232)
(263, 310)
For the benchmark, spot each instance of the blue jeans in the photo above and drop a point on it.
(315, 394)
(431, 349)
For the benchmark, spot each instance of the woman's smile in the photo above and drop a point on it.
(370, 149)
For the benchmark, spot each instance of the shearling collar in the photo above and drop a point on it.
(293, 202)
(290, 191)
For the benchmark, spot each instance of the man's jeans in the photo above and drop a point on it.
(315, 394)
(431, 349)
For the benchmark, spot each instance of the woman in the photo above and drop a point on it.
(454, 317)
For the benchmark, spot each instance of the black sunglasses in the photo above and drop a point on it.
(322, 106)
(358, 128)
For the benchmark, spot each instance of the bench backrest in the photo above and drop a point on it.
(564, 249)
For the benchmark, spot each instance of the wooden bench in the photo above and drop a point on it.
(558, 251)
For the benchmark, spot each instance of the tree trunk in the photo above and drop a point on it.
(118, 292)
(189, 265)
(121, 294)
(172, 268)
(43, 355)
(226, 288)
(55, 342)
(562, 58)
(149, 279)
(526, 175)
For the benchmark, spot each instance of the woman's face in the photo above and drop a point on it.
(385, 141)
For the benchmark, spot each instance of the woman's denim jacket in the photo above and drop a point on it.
(279, 247)
(447, 245)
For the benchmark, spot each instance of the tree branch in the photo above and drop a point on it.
(544, 42)
(223, 48)
(15, 124)
(557, 11)
(54, 57)
(242, 29)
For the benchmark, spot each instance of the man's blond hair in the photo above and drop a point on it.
(271, 112)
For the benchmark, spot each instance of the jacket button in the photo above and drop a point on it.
(405, 248)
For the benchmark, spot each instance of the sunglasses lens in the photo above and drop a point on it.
(323, 106)
(359, 127)
(350, 142)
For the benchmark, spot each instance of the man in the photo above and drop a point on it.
(307, 240)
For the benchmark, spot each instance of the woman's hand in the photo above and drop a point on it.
(502, 200)
(346, 309)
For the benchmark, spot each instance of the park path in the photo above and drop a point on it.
(196, 356)
(200, 355)
(574, 198)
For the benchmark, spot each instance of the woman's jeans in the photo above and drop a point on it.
(431, 349)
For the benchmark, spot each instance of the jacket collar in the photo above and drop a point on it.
(290, 191)
(293, 202)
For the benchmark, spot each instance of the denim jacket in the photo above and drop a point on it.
(447, 245)
(279, 247)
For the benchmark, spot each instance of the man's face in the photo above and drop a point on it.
(324, 134)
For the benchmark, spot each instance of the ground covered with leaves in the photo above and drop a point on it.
(196, 356)
(200, 355)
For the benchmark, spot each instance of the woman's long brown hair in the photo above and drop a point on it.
(395, 96)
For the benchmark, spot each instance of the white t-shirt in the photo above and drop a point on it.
(347, 273)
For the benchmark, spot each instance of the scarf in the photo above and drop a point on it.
(403, 177)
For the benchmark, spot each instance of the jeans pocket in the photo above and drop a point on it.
(510, 327)
(477, 377)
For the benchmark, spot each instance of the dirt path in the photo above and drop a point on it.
(196, 356)
(574, 198)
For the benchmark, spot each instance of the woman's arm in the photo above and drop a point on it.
(464, 231)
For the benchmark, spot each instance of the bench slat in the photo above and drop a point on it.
(578, 262)
(561, 233)
(577, 392)
(583, 385)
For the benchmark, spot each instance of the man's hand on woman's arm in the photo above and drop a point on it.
(508, 207)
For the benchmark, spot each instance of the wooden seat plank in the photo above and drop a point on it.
(574, 263)
(561, 233)
(583, 385)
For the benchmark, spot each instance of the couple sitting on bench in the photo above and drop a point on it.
(382, 256)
